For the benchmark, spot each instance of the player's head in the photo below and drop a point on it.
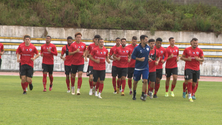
(194, 43)
(27, 39)
(134, 40)
(101, 42)
(143, 39)
(78, 37)
(171, 41)
(123, 42)
(118, 41)
(96, 39)
(69, 40)
(48, 39)
(158, 42)
(151, 43)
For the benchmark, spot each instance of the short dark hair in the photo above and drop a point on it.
(171, 38)
(117, 38)
(151, 40)
(159, 39)
(26, 36)
(134, 38)
(123, 39)
(48, 36)
(142, 37)
(100, 39)
(69, 37)
(194, 39)
(97, 36)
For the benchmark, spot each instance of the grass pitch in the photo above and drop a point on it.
(59, 107)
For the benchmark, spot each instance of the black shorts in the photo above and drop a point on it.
(192, 74)
(26, 70)
(114, 71)
(99, 74)
(152, 77)
(173, 71)
(77, 68)
(89, 70)
(130, 72)
(159, 73)
(68, 70)
(0, 63)
(122, 72)
(47, 68)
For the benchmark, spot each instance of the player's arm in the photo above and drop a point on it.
(185, 59)
(129, 57)
(107, 59)
(37, 55)
(94, 60)
(134, 56)
(71, 52)
(114, 55)
(62, 54)
(41, 51)
(178, 57)
(18, 57)
(200, 59)
(2, 51)
(158, 59)
(54, 51)
(86, 54)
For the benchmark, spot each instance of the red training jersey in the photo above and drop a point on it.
(27, 52)
(152, 66)
(124, 54)
(163, 56)
(112, 50)
(1, 49)
(190, 52)
(132, 61)
(100, 54)
(90, 48)
(68, 58)
(172, 62)
(48, 56)
(77, 58)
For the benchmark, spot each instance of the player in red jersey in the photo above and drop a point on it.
(90, 65)
(1, 53)
(131, 64)
(48, 50)
(159, 67)
(114, 64)
(98, 55)
(153, 62)
(27, 52)
(172, 52)
(67, 60)
(123, 57)
(192, 57)
(77, 50)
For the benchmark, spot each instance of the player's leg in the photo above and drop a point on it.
(67, 71)
(44, 79)
(23, 73)
(188, 80)
(80, 71)
(168, 74)
(152, 78)
(194, 83)
(123, 79)
(50, 69)
(119, 70)
(0, 63)
(90, 74)
(73, 76)
(175, 73)
(101, 85)
(130, 75)
(136, 78)
(145, 74)
(159, 74)
(29, 76)
(114, 74)
(95, 80)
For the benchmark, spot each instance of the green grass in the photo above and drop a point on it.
(59, 107)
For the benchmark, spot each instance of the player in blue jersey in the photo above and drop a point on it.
(140, 54)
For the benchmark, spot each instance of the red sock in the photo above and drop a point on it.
(172, 87)
(101, 87)
(51, 79)
(157, 86)
(151, 89)
(118, 83)
(79, 82)
(26, 84)
(130, 83)
(167, 87)
(189, 87)
(123, 84)
(114, 83)
(67, 83)
(149, 86)
(90, 84)
(44, 80)
(193, 90)
(72, 82)
(23, 86)
(97, 85)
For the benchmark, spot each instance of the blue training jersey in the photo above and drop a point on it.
(140, 52)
